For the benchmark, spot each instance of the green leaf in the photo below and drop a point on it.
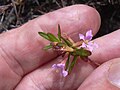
(44, 35)
(82, 52)
(52, 37)
(47, 47)
(59, 32)
(66, 41)
(67, 62)
(72, 64)
(61, 44)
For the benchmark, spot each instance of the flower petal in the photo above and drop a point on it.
(95, 45)
(83, 45)
(54, 66)
(61, 67)
(64, 73)
(58, 65)
(91, 45)
(81, 36)
(89, 35)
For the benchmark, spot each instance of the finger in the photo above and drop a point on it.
(46, 77)
(25, 45)
(109, 47)
(105, 77)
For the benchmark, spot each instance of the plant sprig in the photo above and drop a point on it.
(66, 45)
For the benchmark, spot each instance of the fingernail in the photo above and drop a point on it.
(114, 74)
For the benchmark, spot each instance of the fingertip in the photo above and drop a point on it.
(104, 77)
(75, 18)
(113, 75)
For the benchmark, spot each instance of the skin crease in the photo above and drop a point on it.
(21, 53)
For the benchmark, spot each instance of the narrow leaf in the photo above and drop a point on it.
(66, 41)
(59, 32)
(47, 47)
(72, 64)
(67, 62)
(52, 37)
(61, 44)
(44, 35)
(82, 52)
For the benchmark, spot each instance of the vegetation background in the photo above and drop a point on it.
(14, 13)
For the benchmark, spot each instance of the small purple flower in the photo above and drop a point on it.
(88, 36)
(61, 67)
(87, 44)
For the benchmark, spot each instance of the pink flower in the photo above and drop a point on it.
(87, 44)
(88, 36)
(61, 66)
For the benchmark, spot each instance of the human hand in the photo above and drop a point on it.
(24, 65)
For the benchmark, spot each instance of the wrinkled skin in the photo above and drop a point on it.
(24, 65)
